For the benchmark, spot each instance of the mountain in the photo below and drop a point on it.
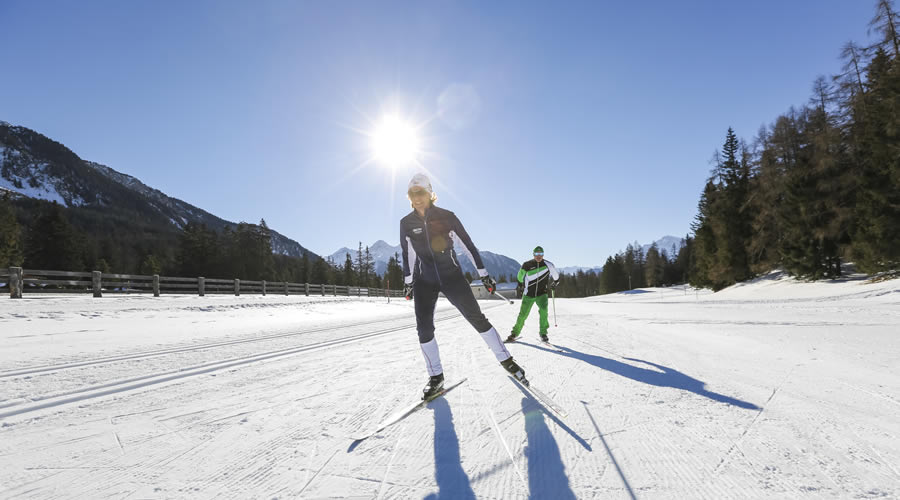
(575, 269)
(666, 243)
(36, 166)
(381, 251)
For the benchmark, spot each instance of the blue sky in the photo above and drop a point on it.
(585, 125)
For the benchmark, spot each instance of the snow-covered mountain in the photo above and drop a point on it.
(382, 251)
(38, 167)
(666, 243)
(575, 269)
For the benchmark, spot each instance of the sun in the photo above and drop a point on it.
(395, 142)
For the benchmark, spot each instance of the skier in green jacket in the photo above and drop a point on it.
(536, 276)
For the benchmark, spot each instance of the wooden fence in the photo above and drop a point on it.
(27, 281)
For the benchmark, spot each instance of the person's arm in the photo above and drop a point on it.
(553, 272)
(521, 276)
(409, 255)
(459, 232)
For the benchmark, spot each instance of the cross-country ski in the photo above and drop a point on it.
(405, 412)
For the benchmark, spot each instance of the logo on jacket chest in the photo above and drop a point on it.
(417, 230)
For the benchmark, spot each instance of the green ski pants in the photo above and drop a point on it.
(526, 308)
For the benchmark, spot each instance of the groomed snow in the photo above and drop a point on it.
(771, 389)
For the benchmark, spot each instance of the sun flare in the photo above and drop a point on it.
(395, 142)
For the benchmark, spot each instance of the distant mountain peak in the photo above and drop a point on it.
(36, 166)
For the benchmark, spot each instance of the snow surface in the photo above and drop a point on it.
(771, 389)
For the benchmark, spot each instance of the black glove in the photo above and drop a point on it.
(489, 283)
(408, 291)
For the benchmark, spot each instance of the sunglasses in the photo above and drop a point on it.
(417, 192)
(538, 254)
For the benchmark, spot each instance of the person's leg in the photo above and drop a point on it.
(425, 296)
(542, 312)
(524, 310)
(459, 293)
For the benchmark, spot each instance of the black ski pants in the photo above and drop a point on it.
(458, 292)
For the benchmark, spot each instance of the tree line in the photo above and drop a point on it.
(45, 235)
(817, 188)
(630, 269)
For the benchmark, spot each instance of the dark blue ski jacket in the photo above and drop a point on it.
(428, 243)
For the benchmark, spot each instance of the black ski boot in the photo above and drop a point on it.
(434, 386)
(513, 336)
(515, 370)
(545, 338)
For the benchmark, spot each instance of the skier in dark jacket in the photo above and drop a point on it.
(537, 276)
(430, 266)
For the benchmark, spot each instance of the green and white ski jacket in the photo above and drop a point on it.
(536, 277)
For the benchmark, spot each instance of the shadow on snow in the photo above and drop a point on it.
(451, 479)
(662, 376)
(546, 472)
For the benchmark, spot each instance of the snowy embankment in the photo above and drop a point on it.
(771, 389)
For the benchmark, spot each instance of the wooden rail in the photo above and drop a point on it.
(20, 281)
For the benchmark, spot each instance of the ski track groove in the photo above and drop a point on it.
(121, 386)
(755, 418)
(165, 458)
(176, 350)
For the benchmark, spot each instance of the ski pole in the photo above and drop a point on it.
(553, 294)
(502, 297)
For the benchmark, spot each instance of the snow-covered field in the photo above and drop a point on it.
(772, 389)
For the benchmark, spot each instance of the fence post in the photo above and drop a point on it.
(286, 288)
(306, 286)
(156, 285)
(264, 287)
(237, 287)
(201, 286)
(95, 282)
(15, 282)
(334, 290)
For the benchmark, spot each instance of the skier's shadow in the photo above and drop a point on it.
(554, 418)
(662, 376)
(451, 479)
(546, 472)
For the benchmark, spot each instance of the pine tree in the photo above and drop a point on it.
(886, 23)
(349, 275)
(319, 273)
(198, 251)
(52, 242)
(150, 266)
(704, 255)
(654, 267)
(730, 222)
(876, 236)
(11, 245)
(305, 269)
(614, 277)
(360, 267)
(394, 273)
(368, 271)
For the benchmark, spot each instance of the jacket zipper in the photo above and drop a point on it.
(428, 241)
